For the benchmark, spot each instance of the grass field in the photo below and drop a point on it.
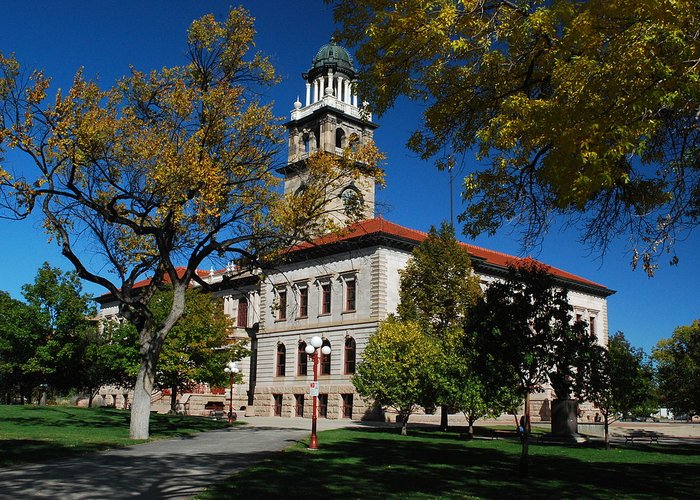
(356, 463)
(379, 463)
(39, 433)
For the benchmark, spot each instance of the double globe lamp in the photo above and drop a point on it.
(312, 349)
(232, 369)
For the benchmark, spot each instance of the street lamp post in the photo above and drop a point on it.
(231, 369)
(312, 349)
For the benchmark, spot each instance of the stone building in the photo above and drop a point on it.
(344, 285)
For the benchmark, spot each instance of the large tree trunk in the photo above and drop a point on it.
(404, 424)
(141, 406)
(151, 343)
(607, 430)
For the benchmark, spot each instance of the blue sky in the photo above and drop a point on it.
(106, 37)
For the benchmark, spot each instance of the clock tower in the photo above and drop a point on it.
(329, 121)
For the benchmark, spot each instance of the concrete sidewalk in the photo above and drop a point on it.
(178, 468)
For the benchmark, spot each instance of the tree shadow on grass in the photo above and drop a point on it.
(367, 464)
(70, 431)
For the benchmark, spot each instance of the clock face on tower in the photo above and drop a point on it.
(352, 201)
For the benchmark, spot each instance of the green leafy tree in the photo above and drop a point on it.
(111, 358)
(437, 290)
(481, 391)
(67, 318)
(581, 109)
(197, 348)
(160, 172)
(195, 351)
(44, 340)
(21, 334)
(620, 382)
(678, 365)
(528, 338)
(396, 367)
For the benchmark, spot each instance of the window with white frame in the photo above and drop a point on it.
(302, 300)
(349, 292)
(325, 296)
(280, 303)
(242, 314)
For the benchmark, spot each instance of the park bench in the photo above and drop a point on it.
(215, 408)
(216, 414)
(642, 436)
(500, 433)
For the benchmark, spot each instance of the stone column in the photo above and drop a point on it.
(308, 93)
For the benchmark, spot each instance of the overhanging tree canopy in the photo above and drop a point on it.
(583, 109)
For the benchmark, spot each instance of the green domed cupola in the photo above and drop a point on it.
(331, 56)
(332, 74)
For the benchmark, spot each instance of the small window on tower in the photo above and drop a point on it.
(339, 138)
(352, 201)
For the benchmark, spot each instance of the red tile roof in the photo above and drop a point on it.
(379, 225)
(166, 279)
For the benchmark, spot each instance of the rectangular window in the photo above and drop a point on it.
(350, 292)
(303, 302)
(277, 408)
(591, 325)
(242, 317)
(323, 405)
(347, 405)
(282, 304)
(299, 405)
(326, 298)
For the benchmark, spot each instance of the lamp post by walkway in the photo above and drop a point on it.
(232, 369)
(312, 349)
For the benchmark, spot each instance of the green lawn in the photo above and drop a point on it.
(39, 433)
(381, 464)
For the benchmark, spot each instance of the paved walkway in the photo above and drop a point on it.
(169, 469)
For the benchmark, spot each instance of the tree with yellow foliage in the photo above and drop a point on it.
(158, 173)
(587, 110)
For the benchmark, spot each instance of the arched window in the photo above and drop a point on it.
(302, 359)
(339, 138)
(281, 360)
(350, 355)
(326, 360)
